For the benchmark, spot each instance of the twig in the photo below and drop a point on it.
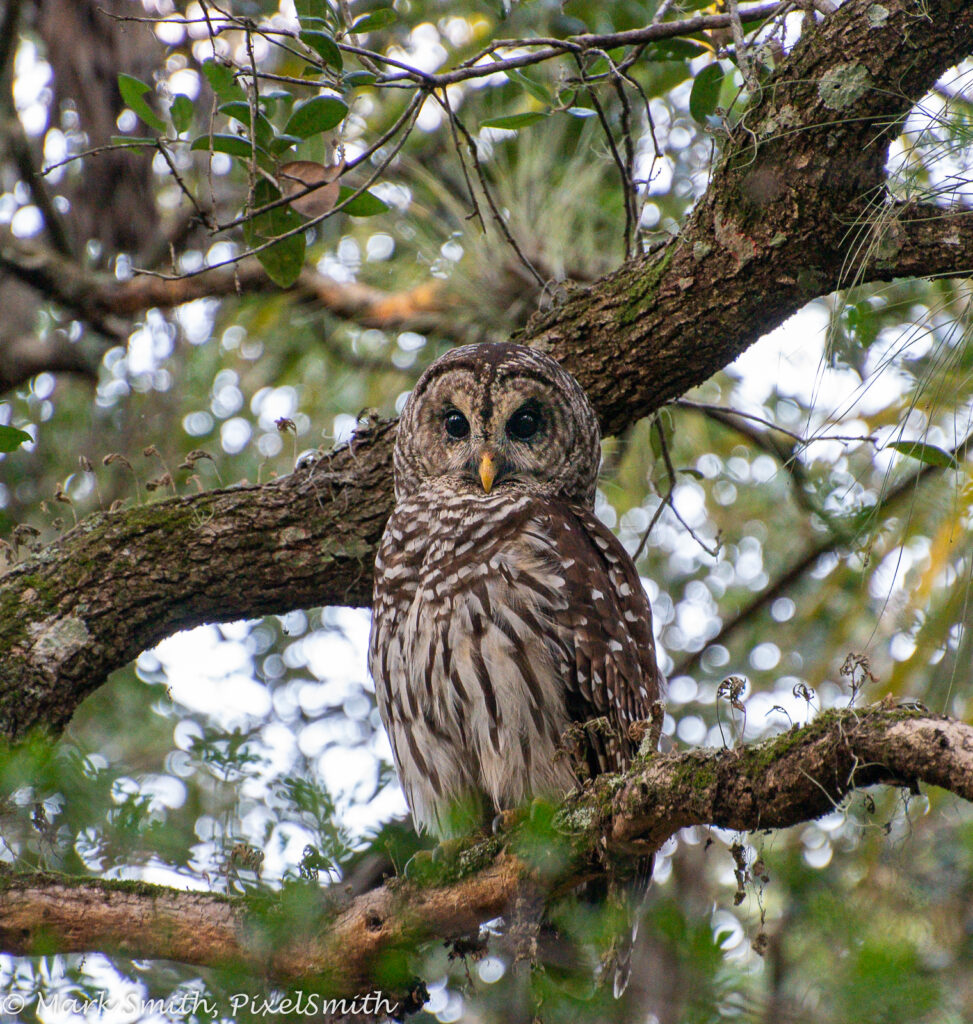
(451, 120)
(807, 561)
(743, 58)
(662, 11)
(204, 216)
(253, 94)
(572, 44)
(667, 500)
(410, 112)
(287, 234)
(488, 195)
(623, 170)
(721, 410)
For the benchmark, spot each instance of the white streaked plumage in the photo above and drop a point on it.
(503, 614)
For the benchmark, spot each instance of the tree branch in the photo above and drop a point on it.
(99, 297)
(791, 778)
(801, 182)
(24, 356)
(95, 598)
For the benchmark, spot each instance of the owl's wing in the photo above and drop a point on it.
(606, 631)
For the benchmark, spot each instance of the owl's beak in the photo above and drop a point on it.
(488, 470)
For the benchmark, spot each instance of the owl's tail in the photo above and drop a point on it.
(620, 960)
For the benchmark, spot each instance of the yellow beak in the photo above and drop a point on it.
(488, 470)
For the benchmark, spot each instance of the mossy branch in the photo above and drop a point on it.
(346, 947)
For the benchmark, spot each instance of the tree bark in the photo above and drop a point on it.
(342, 944)
(797, 207)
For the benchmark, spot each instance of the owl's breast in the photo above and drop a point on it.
(469, 666)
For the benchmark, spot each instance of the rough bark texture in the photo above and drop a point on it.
(796, 208)
(792, 778)
(120, 582)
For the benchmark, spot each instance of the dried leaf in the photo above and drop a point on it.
(293, 178)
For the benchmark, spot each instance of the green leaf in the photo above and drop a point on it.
(513, 121)
(365, 205)
(927, 453)
(311, 10)
(181, 112)
(282, 143)
(283, 261)
(706, 92)
(133, 91)
(239, 110)
(325, 47)
(234, 145)
(316, 115)
(377, 19)
(222, 81)
(540, 92)
(862, 323)
(11, 438)
(358, 79)
(675, 49)
(580, 112)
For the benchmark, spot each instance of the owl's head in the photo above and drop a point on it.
(493, 416)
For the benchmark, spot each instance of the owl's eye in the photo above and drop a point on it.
(456, 425)
(524, 423)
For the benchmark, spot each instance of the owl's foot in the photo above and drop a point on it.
(418, 865)
(505, 821)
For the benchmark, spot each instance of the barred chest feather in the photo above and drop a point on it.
(468, 650)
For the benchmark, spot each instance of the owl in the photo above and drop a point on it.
(506, 615)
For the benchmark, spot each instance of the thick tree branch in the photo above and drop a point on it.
(99, 297)
(792, 778)
(95, 598)
(796, 208)
(24, 356)
(792, 213)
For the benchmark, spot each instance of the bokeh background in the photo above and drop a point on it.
(798, 551)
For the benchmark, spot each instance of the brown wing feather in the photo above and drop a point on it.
(612, 671)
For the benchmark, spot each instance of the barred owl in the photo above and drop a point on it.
(504, 611)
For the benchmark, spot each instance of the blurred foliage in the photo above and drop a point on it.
(264, 736)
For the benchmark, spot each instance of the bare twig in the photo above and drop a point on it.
(743, 58)
(204, 215)
(407, 117)
(488, 194)
(798, 569)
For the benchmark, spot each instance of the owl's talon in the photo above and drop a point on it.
(418, 864)
(504, 822)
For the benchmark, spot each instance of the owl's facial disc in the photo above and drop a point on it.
(498, 434)
(497, 416)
